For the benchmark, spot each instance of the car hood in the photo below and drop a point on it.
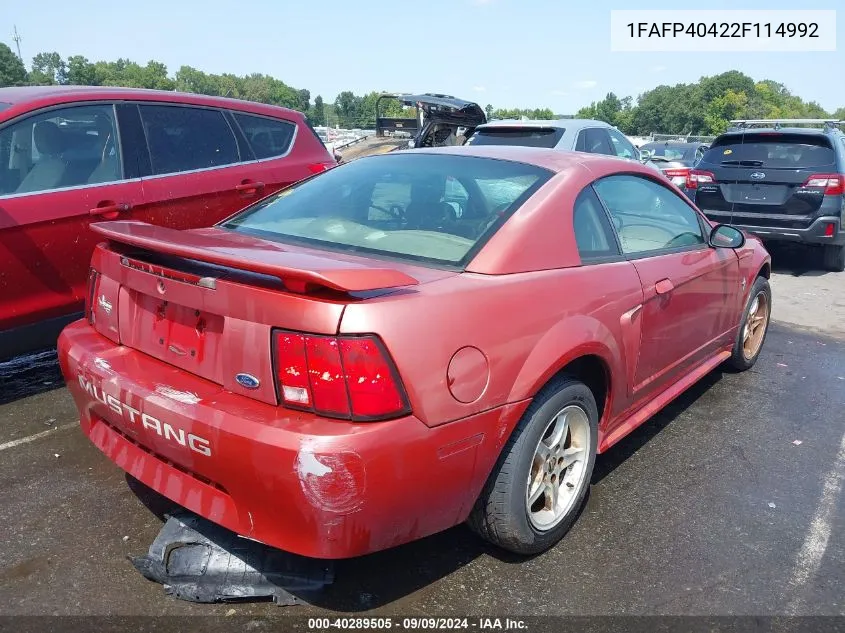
(447, 109)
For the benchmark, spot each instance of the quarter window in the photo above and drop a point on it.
(594, 140)
(593, 232)
(183, 139)
(268, 137)
(648, 216)
(66, 147)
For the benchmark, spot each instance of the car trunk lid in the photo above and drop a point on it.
(447, 109)
(206, 301)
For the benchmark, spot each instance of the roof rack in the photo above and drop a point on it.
(742, 124)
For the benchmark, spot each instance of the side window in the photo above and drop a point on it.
(593, 232)
(66, 147)
(268, 137)
(648, 216)
(183, 138)
(622, 147)
(594, 140)
(581, 141)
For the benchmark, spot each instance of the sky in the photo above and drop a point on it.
(508, 53)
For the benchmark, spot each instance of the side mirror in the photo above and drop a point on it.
(726, 236)
(644, 155)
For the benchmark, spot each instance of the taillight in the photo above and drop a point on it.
(91, 293)
(834, 184)
(346, 377)
(677, 175)
(697, 177)
(316, 168)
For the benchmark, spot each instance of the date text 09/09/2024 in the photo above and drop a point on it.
(416, 624)
(723, 29)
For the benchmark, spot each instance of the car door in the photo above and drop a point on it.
(689, 288)
(283, 152)
(196, 171)
(622, 147)
(60, 169)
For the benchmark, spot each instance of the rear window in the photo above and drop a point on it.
(524, 136)
(669, 152)
(796, 151)
(401, 205)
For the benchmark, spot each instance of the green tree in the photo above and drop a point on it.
(608, 109)
(840, 114)
(48, 69)
(304, 97)
(12, 70)
(80, 71)
(347, 107)
(723, 108)
(488, 110)
(317, 114)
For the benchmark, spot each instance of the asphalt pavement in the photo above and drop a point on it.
(728, 502)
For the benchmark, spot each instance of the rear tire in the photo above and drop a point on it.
(753, 327)
(834, 257)
(538, 486)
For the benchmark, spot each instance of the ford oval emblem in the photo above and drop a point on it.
(758, 175)
(247, 380)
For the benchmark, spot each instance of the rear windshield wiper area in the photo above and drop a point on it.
(743, 163)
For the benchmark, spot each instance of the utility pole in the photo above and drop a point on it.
(17, 40)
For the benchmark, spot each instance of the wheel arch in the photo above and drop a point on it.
(590, 353)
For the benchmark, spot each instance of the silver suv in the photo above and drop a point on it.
(580, 135)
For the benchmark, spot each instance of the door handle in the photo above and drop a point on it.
(249, 186)
(109, 210)
(664, 286)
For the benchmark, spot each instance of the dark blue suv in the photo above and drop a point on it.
(777, 182)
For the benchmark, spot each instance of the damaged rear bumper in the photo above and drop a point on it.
(308, 485)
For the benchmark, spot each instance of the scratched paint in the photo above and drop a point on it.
(185, 397)
(331, 480)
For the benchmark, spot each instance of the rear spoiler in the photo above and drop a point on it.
(287, 266)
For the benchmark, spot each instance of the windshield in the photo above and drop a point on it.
(525, 136)
(424, 207)
(773, 149)
(669, 152)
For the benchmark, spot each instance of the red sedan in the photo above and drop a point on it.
(407, 342)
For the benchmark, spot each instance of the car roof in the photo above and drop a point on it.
(45, 95)
(569, 124)
(682, 144)
(552, 159)
(810, 131)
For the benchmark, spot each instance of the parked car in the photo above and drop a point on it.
(675, 159)
(781, 183)
(70, 155)
(294, 371)
(430, 120)
(580, 135)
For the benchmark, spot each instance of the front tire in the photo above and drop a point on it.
(538, 486)
(834, 257)
(753, 327)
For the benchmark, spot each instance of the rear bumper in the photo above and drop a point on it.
(295, 481)
(813, 234)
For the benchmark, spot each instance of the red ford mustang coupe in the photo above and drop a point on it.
(407, 342)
